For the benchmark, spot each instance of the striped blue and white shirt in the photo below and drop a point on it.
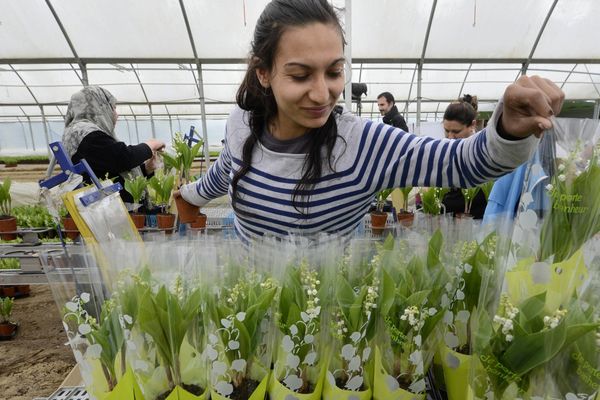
(371, 157)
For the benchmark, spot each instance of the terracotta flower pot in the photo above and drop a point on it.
(139, 220)
(378, 221)
(199, 222)
(187, 212)
(23, 290)
(8, 224)
(9, 291)
(406, 218)
(463, 216)
(8, 330)
(70, 227)
(166, 222)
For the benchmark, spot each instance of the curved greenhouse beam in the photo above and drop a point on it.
(37, 103)
(537, 39)
(591, 80)
(421, 62)
(137, 76)
(200, 83)
(78, 61)
(464, 81)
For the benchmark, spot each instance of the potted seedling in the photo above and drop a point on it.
(68, 223)
(8, 223)
(8, 329)
(162, 186)
(432, 207)
(239, 345)
(172, 318)
(136, 188)
(379, 217)
(405, 217)
(353, 314)
(469, 195)
(410, 314)
(298, 370)
(182, 163)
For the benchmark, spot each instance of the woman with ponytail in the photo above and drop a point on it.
(294, 164)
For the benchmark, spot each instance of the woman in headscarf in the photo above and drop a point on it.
(90, 135)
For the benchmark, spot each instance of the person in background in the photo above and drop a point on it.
(293, 166)
(460, 119)
(391, 115)
(90, 134)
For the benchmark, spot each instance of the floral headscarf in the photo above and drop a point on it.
(91, 110)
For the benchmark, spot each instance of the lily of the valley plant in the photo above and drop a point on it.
(575, 214)
(299, 321)
(168, 316)
(410, 312)
(238, 340)
(519, 340)
(470, 264)
(353, 325)
(431, 200)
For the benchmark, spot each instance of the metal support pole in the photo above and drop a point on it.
(203, 111)
(419, 81)
(137, 131)
(45, 131)
(348, 53)
(597, 110)
(31, 132)
(152, 122)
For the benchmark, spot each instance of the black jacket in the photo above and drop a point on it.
(394, 118)
(454, 202)
(109, 157)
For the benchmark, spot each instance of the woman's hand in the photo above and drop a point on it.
(528, 105)
(155, 145)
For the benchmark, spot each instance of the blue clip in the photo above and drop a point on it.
(93, 197)
(190, 137)
(60, 155)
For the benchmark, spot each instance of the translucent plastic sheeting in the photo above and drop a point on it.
(128, 29)
(486, 29)
(572, 31)
(389, 28)
(29, 30)
(223, 29)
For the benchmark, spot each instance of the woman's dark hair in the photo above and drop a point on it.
(463, 111)
(278, 16)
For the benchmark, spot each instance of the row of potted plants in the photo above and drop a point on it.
(8, 329)
(335, 322)
(431, 204)
(175, 172)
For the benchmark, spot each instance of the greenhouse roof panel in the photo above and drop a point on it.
(224, 28)
(126, 29)
(572, 31)
(389, 29)
(32, 23)
(480, 30)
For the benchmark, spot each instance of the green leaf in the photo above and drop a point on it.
(527, 352)
(434, 247)
(388, 293)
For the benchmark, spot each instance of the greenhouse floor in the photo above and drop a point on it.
(37, 361)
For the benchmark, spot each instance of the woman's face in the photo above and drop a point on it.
(307, 78)
(458, 130)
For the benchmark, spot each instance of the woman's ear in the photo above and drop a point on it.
(473, 126)
(263, 77)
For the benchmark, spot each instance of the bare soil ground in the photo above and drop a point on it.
(35, 363)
